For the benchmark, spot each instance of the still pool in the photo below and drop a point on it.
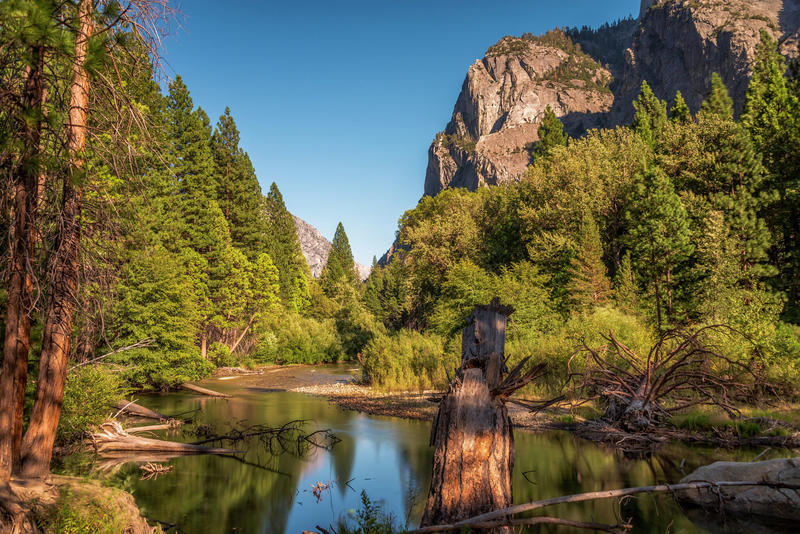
(388, 458)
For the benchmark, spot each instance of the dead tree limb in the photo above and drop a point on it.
(204, 391)
(144, 343)
(501, 515)
(111, 437)
(131, 408)
(682, 369)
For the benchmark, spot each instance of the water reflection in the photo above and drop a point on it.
(390, 459)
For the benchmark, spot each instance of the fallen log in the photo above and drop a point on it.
(501, 517)
(111, 437)
(172, 423)
(131, 408)
(203, 391)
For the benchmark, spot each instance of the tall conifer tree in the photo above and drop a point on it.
(236, 188)
(283, 247)
(650, 115)
(659, 238)
(551, 134)
(589, 284)
(340, 267)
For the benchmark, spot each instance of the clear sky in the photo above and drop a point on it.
(338, 101)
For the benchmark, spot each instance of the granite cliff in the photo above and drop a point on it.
(316, 249)
(590, 77)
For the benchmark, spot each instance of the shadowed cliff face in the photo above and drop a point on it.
(674, 45)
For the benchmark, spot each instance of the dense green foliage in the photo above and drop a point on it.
(692, 218)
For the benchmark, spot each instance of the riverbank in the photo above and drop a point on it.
(340, 386)
(69, 504)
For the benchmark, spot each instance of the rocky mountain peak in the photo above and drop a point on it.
(591, 76)
(502, 101)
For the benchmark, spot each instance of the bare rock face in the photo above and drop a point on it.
(674, 45)
(680, 43)
(502, 102)
(316, 249)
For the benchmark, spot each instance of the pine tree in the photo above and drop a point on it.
(372, 289)
(551, 134)
(719, 101)
(658, 238)
(626, 292)
(680, 113)
(650, 115)
(188, 135)
(589, 285)
(283, 248)
(772, 116)
(729, 173)
(340, 267)
(236, 188)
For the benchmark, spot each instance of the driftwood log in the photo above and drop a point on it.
(131, 408)
(203, 391)
(111, 437)
(474, 457)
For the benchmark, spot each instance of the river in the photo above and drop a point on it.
(388, 458)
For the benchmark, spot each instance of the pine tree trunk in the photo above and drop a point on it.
(204, 344)
(19, 305)
(37, 445)
(474, 456)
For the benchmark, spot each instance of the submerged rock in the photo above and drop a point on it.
(757, 504)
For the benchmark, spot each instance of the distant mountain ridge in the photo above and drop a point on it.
(316, 248)
(673, 44)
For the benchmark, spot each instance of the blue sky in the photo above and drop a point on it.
(337, 102)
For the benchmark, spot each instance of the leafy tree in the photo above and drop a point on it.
(340, 266)
(589, 285)
(659, 238)
(551, 134)
(650, 115)
(283, 248)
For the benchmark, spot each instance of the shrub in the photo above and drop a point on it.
(89, 394)
(557, 347)
(220, 355)
(407, 360)
(154, 369)
(303, 340)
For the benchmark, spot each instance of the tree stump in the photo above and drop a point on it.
(474, 456)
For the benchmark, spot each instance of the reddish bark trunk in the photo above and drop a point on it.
(16, 344)
(474, 456)
(37, 445)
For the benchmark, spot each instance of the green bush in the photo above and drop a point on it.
(556, 348)
(155, 369)
(220, 355)
(407, 360)
(301, 339)
(89, 395)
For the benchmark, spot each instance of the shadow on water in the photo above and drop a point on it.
(388, 458)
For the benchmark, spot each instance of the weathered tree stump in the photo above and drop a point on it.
(474, 456)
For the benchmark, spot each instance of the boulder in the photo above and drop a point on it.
(764, 501)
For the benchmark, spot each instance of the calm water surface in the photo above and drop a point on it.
(389, 458)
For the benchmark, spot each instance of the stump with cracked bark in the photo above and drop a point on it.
(474, 456)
